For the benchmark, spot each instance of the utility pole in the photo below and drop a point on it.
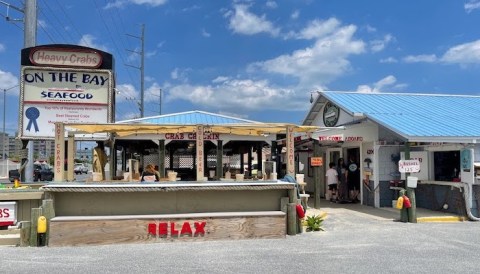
(29, 40)
(141, 68)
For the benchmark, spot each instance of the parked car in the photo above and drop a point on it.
(42, 172)
(80, 168)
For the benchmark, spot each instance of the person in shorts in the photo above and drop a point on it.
(332, 180)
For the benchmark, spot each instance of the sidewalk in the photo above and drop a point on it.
(384, 213)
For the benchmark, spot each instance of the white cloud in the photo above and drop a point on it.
(242, 21)
(295, 14)
(2, 48)
(463, 54)
(180, 74)
(472, 5)
(226, 94)
(152, 93)
(271, 4)
(316, 29)
(389, 82)
(88, 40)
(126, 92)
(324, 61)
(205, 33)
(7, 80)
(122, 3)
(468, 53)
(153, 3)
(379, 45)
(370, 28)
(389, 60)
(425, 58)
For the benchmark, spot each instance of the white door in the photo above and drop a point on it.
(333, 154)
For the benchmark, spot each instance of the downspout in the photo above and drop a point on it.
(376, 170)
(467, 195)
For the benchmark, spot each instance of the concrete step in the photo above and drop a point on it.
(10, 237)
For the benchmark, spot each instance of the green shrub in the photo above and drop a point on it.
(314, 223)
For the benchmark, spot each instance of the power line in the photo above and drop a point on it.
(60, 24)
(71, 22)
(110, 35)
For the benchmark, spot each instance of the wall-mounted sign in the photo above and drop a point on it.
(191, 136)
(411, 166)
(331, 113)
(8, 213)
(49, 95)
(60, 57)
(316, 161)
(340, 138)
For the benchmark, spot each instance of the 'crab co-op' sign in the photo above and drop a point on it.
(64, 83)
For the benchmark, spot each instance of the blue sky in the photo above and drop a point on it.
(259, 60)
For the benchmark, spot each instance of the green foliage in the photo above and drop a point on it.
(314, 223)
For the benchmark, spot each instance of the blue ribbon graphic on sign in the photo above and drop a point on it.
(32, 114)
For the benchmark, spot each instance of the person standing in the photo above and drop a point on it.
(332, 180)
(342, 180)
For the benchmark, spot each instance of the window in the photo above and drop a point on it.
(446, 165)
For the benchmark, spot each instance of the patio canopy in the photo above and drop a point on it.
(122, 130)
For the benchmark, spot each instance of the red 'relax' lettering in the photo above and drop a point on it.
(199, 228)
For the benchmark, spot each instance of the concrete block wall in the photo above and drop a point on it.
(385, 168)
(385, 165)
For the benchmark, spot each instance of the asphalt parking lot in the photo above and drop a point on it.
(353, 242)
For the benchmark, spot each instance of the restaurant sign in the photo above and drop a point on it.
(50, 95)
(59, 57)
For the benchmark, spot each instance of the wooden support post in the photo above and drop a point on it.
(259, 159)
(219, 167)
(291, 219)
(25, 227)
(292, 195)
(161, 158)
(36, 212)
(70, 156)
(410, 192)
(290, 152)
(49, 212)
(200, 149)
(403, 211)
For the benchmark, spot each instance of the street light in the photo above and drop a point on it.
(4, 107)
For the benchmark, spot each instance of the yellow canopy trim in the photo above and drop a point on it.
(122, 130)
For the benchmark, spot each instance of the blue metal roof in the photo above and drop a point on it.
(189, 118)
(416, 116)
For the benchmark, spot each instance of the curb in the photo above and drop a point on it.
(438, 219)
